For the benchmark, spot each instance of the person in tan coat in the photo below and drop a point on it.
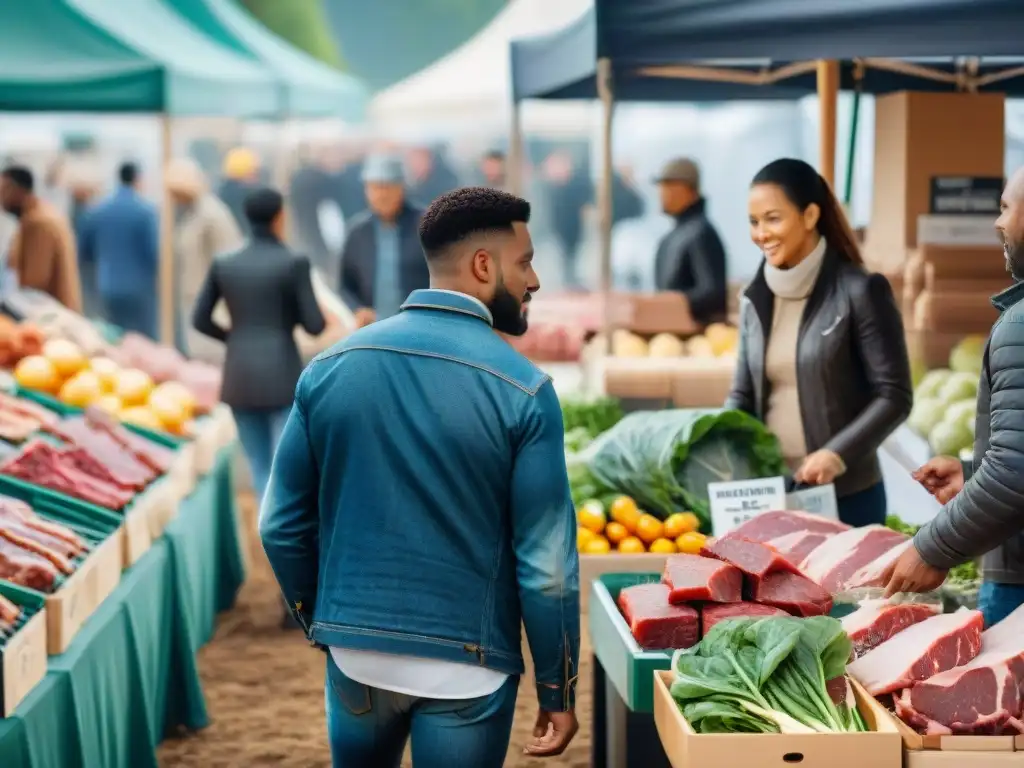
(42, 253)
(205, 229)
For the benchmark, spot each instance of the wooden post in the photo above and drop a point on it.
(604, 196)
(168, 308)
(514, 161)
(828, 105)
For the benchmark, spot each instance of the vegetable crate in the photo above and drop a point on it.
(96, 575)
(23, 656)
(630, 668)
(879, 747)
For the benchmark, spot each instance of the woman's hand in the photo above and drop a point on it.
(820, 468)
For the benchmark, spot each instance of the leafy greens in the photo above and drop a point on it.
(771, 675)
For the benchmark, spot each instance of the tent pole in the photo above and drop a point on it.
(828, 104)
(515, 151)
(606, 92)
(166, 284)
(851, 153)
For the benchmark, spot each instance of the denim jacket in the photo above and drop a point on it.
(419, 504)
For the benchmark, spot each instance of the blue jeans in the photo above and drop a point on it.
(132, 313)
(865, 507)
(997, 601)
(259, 431)
(369, 727)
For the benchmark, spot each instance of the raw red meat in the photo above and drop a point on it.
(27, 409)
(23, 513)
(877, 621)
(712, 613)
(836, 562)
(43, 464)
(158, 458)
(111, 461)
(798, 545)
(656, 624)
(26, 568)
(772, 525)
(984, 696)
(753, 558)
(9, 612)
(793, 593)
(691, 577)
(38, 543)
(919, 652)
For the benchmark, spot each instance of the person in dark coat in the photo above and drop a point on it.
(691, 258)
(241, 177)
(382, 260)
(268, 293)
(430, 176)
(822, 356)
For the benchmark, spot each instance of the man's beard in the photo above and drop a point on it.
(507, 311)
(1014, 255)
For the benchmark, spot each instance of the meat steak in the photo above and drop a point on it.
(753, 558)
(712, 613)
(792, 593)
(985, 696)
(797, 545)
(836, 564)
(655, 623)
(694, 578)
(771, 525)
(877, 621)
(919, 652)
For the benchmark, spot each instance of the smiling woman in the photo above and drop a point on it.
(823, 360)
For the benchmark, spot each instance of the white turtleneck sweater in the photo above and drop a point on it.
(791, 288)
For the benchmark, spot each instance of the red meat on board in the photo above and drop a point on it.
(793, 593)
(771, 525)
(876, 621)
(848, 559)
(712, 613)
(655, 623)
(798, 545)
(756, 560)
(692, 578)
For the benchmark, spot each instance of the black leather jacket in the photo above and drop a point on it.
(853, 373)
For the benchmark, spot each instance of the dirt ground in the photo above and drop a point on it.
(265, 692)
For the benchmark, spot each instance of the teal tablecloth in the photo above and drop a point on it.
(130, 675)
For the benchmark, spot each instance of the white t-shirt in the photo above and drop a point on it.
(416, 676)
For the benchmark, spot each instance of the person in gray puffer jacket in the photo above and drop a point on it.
(984, 499)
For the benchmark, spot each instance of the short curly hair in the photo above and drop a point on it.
(457, 215)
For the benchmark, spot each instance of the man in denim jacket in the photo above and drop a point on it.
(418, 511)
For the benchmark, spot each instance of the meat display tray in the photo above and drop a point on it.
(23, 656)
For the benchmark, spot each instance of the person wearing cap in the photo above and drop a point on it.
(382, 260)
(241, 173)
(691, 258)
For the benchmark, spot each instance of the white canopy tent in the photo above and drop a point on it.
(470, 88)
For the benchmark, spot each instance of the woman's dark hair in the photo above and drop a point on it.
(803, 185)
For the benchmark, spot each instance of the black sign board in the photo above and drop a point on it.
(965, 195)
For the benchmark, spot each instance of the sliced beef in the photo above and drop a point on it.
(712, 613)
(11, 508)
(42, 464)
(754, 559)
(796, 546)
(877, 621)
(28, 409)
(793, 593)
(26, 568)
(919, 652)
(772, 525)
(157, 457)
(838, 562)
(655, 623)
(9, 611)
(693, 578)
(985, 696)
(104, 457)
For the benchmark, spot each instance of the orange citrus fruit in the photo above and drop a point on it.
(631, 545)
(624, 511)
(662, 547)
(615, 532)
(649, 528)
(679, 523)
(597, 546)
(583, 537)
(591, 516)
(690, 543)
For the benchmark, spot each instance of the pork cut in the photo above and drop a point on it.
(838, 564)
(102, 456)
(693, 578)
(26, 568)
(793, 593)
(712, 613)
(655, 623)
(157, 457)
(754, 559)
(9, 611)
(985, 696)
(797, 545)
(877, 621)
(771, 525)
(919, 652)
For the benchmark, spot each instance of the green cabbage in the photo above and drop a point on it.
(968, 355)
(926, 415)
(959, 386)
(949, 439)
(931, 383)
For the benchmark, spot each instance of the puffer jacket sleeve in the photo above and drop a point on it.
(988, 510)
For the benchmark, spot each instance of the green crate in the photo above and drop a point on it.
(38, 496)
(630, 668)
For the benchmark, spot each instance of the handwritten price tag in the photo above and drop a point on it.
(734, 503)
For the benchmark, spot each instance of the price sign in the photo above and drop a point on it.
(818, 499)
(732, 504)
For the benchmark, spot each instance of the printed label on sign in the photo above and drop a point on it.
(818, 499)
(732, 504)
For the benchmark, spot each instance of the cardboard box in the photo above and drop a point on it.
(227, 432)
(639, 377)
(667, 312)
(79, 596)
(206, 444)
(961, 759)
(703, 382)
(23, 656)
(183, 470)
(137, 537)
(157, 505)
(974, 263)
(878, 748)
(916, 742)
